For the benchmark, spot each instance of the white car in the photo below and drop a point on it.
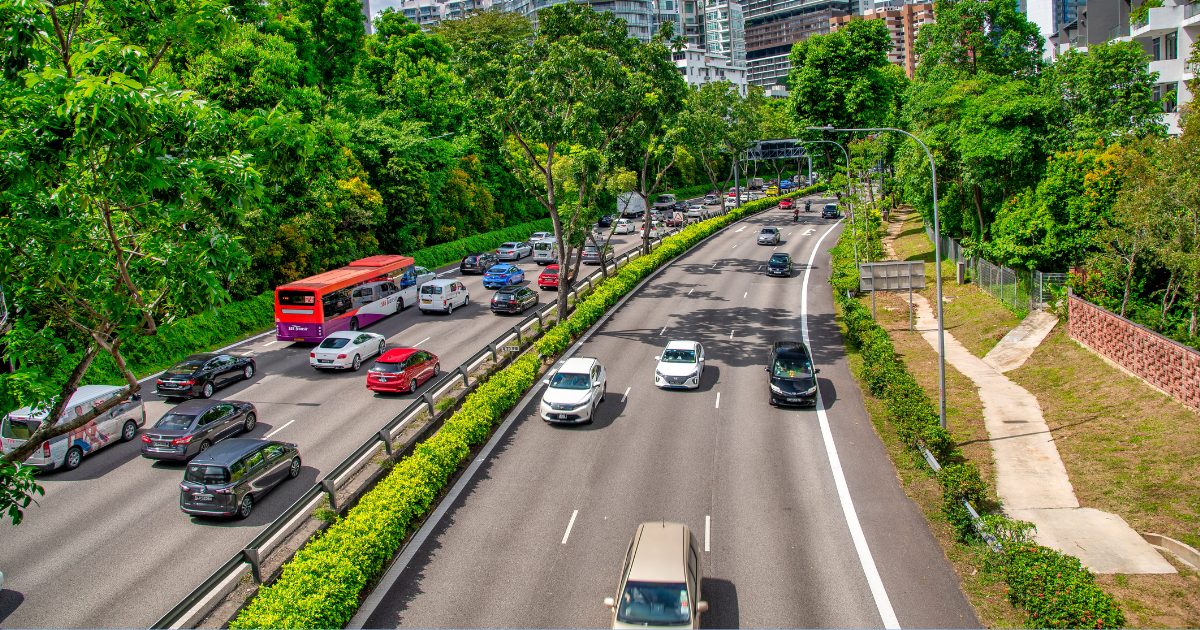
(514, 251)
(541, 236)
(656, 229)
(443, 295)
(623, 226)
(697, 212)
(745, 197)
(574, 391)
(681, 365)
(346, 349)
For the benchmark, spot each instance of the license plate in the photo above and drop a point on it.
(427, 301)
(382, 379)
(794, 399)
(202, 498)
(161, 445)
(324, 360)
(561, 416)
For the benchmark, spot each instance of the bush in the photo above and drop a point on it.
(446, 253)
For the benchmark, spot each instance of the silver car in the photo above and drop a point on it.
(768, 236)
(514, 251)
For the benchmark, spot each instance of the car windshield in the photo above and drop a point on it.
(679, 356)
(654, 603)
(207, 475)
(175, 421)
(768, 230)
(508, 246)
(426, 290)
(792, 368)
(334, 342)
(569, 381)
(386, 368)
(779, 260)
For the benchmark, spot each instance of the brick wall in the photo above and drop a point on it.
(1163, 363)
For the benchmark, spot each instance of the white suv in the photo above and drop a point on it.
(680, 365)
(574, 391)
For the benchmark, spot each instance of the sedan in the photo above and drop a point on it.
(681, 365)
(477, 262)
(193, 426)
(402, 370)
(712, 200)
(548, 278)
(745, 197)
(201, 374)
(786, 204)
(514, 251)
(346, 349)
(780, 265)
(623, 226)
(656, 229)
(230, 477)
(697, 213)
(606, 220)
(591, 254)
(502, 276)
(541, 236)
(680, 206)
(514, 300)
(768, 236)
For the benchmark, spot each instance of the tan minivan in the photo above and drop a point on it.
(660, 583)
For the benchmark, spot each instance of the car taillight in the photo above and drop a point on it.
(187, 382)
(145, 438)
(223, 491)
(181, 441)
(45, 449)
(312, 355)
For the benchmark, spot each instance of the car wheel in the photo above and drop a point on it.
(522, 311)
(437, 369)
(129, 431)
(382, 346)
(353, 323)
(449, 308)
(249, 423)
(603, 391)
(770, 400)
(245, 507)
(204, 446)
(400, 306)
(294, 471)
(74, 458)
(356, 364)
(412, 386)
(248, 372)
(207, 390)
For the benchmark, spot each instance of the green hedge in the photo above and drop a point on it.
(1055, 589)
(320, 587)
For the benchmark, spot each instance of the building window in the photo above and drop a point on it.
(1172, 41)
(1155, 48)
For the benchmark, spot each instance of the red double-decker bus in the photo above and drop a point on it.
(345, 298)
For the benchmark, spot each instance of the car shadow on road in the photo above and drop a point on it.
(828, 393)
(10, 600)
(722, 599)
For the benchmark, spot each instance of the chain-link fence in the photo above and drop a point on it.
(1021, 290)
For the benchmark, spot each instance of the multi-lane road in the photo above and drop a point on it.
(803, 521)
(107, 546)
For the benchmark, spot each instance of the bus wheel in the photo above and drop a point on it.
(74, 457)
(353, 323)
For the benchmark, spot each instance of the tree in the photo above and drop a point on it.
(979, 36)
(1103, 94)
(718, 123)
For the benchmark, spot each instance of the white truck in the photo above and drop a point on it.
(756, 183)
(665, 202)
(630, 205)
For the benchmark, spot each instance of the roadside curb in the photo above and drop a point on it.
(1180, 550)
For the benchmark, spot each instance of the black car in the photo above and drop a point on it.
(201, 374)
(193, 426)
(606, 220)
(830, 211)
(228, 478)
(792, 381)
(478, 263)
(780, 265)
(514, 300)
(681, 206)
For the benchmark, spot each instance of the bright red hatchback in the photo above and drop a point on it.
(402, 370)
(548, 278)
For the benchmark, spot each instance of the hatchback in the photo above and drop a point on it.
(768, 236)
(574, 391)
(623, 226)
(346, 349)
(772, 191)
(477, 263)
(660, 582)
(514, 300)
(792, 379)
(830, 211)
(502, 276)
(548, 279)
(402, 370)
(201, 374)
(193, 426)
(227, 479)
(780, 265)
(680, 365)
(514, 251)
(712, 200)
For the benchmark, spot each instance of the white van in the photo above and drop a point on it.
(67, 451)
(545, 252)
(443, 295)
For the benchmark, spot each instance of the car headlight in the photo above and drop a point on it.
(776, 390)
(810, 391)
(658, 375)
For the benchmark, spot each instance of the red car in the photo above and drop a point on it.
(786, 204)
(548, 278)
(402, 370)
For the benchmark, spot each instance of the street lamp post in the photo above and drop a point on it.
(937, 254)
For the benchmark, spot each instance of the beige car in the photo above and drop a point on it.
(660, 583)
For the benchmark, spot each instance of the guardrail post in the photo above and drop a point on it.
(463, 371)
(428, 398)
(331, 490)
(251, 556)
(387, 442)
(517, 331)
(492, 347)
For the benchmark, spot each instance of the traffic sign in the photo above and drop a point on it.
(678, 216)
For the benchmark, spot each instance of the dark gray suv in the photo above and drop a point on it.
(193, 426)
(228, 478)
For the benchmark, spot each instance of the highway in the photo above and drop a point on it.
(107, 546)
(538, 536)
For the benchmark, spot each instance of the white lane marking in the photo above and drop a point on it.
(421, 341)
(569, 526)
(731, 334)
(270, 343)
(808, 231)
(789, 233)
(690, 291)
(279, 429)
(760, 267)
(718, 401)
(740, 229)
(660, 333)
(734, 247)
(747, 293)
(882, 603)
(775, 248)
(626, 394)
(707, 524)
(714, 266)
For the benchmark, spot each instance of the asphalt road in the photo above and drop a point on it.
(108, 547)
(754, 481)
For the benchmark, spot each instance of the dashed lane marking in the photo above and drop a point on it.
(569, 526)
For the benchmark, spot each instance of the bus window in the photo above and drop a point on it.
(336, 303)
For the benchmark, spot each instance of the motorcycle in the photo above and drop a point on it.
(808, 206)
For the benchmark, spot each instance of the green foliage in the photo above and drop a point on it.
(979, 36)
(1056, 589)
(1104, 94)
(438, 255)
(17, 489)
(1141, 13)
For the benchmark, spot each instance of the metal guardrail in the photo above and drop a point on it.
(257, 548)
(980, 526)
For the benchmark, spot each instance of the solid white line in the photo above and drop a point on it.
(626, 394)
(882, 603)
(270, 343)
(707, 524)
(714, 266)
(421, 341)
(660, 333)
(569, 526)
(718, 401)
(279, 429)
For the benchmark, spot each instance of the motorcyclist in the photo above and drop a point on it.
(795, 215)
(808, 205)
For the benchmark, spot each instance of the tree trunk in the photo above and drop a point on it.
(979, 212)
(1128, 280)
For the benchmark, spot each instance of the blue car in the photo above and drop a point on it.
(502, 275)
(784, 185)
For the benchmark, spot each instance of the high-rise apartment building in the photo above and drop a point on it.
(725, 30)
(772, 26)
(903, 21)
(699, 66)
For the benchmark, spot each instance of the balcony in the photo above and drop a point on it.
(1160, 20)
(1191, 14)
(1169, 70)
(1190, 70)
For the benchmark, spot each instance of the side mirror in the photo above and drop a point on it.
(546, 382)
(610, 602)
(817, 371)
(702, 606)
(766, 368)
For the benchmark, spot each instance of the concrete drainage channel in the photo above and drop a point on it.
(218, 599)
